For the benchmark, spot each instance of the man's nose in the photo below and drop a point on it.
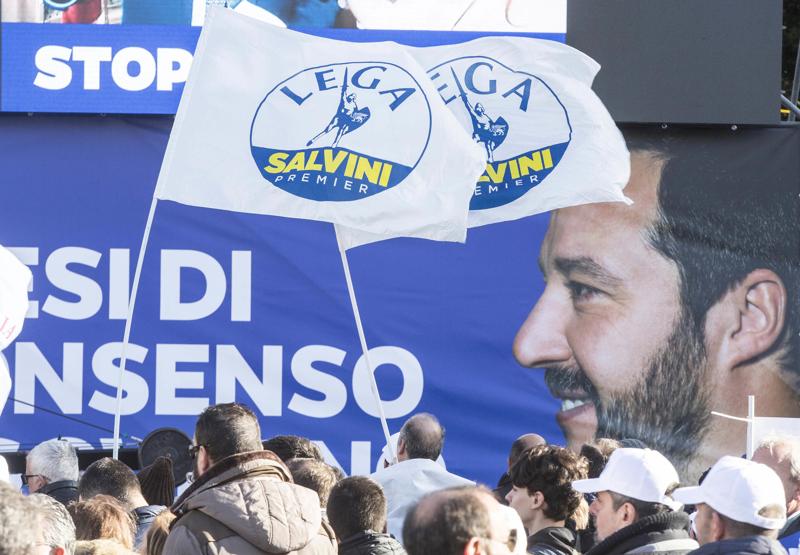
(541, 340)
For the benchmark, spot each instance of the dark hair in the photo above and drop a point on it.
(314, 475)
(643, 508)
(157, 481)
(551, 471)
(521, 444)
(443, 522)
(227, 429)
(718, 223)
(103, 517)
(108, 476)
(356, 504)
(423, 436)
(292, 447)
(737, 529)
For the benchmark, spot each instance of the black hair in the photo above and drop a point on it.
(356, 504)
(109, 477)
(423, 436)
(227, 429)
(314, 475)
(292, 447)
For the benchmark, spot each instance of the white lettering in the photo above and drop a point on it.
(413, 379)
(170, 74)
(54, 74)
(30, 365)
(121, 65)
(105, 365)
(91, 56)
(169, 380)
(30, 257)
(172, 262)
(89, 293)
(266, 393)
(241, 271)
(332, 389)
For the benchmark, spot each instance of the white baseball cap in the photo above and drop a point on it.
(641, 474)
(14, 280)
(739, 489)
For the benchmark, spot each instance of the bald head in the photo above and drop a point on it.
(523, 443)
(421, 437)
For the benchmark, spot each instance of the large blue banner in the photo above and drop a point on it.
(251, 308)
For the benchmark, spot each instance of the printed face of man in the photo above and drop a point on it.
(609, 329)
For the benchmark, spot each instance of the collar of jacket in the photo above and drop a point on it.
(559, 537)
(235, 467)
(654, 528)
(48, 489)
(754, 545)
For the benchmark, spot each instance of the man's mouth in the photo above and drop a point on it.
(571, 404)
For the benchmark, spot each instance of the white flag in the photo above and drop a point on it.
(548, 140)
(277, 122)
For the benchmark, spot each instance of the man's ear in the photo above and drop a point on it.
(58, 551)
(628, 513)
(717, 527)
(537, 500)
(754, 318)
(473, 547)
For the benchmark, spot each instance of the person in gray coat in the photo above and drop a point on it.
(243, 500)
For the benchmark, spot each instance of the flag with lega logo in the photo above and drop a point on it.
(547, 139)
(354, 134)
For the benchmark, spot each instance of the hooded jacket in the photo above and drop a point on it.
(370, 543)
(663, 533)
(247, 504)
(553, 540)
(750, 545)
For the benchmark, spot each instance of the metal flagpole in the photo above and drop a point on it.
(128, 319)
(364, 349)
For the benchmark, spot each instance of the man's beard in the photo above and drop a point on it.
(667, 408)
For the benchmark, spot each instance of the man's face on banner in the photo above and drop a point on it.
(609, 328)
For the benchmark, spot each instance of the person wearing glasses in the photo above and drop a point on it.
(51, 468)
(242, 499)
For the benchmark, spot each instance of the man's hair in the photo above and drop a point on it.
(314, 475)
(101, 547)
(292, 447)
(54, 459)
(102, 517)
(521, 444)
(16, 534)
(643, 508)
(109, 477)
(443, 522)
(718, 223)
(356, 504)
(551, 471)
(423, 436)
(227, 429)
(792, 446)
(55, 523)
(737, 529)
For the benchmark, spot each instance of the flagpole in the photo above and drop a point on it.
(357, 315)
(128, 320)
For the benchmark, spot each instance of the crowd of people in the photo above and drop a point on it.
(250, 496)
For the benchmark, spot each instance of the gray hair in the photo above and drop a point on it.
(15, 522)
(792, 445)
(56, 526)
(423, 436)
(54, 459)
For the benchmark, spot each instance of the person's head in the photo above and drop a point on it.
(541, 490)
(597, 454)
(292, 447)
(521, 444)
(421, 437)
(51, 461)
(15, 522)
(108, 476)
(157, 482)
(782, 454)
(460, 521)
(222, 431)
(737, 498)
(356, 504)
(156, 536)
(103, 517)
(56, 529)
(635, 484)
(697, 283)
(314, 475)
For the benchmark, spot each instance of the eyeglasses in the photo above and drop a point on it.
(193, 449)
(27, 477)
(510, 543)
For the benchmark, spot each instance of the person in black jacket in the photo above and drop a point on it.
(543, 497)
(51, 468)
(740, 508)
(357, 512)
(633, 510)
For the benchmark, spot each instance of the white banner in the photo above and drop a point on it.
(278, 122)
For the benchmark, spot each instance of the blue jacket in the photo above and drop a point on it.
(750, 545)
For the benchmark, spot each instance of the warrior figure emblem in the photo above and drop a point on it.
(486, 131)
(348, 117)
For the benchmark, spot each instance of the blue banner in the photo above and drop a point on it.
(132, 69)
(251, 308)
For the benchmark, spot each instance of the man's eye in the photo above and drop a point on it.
(581, 291)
